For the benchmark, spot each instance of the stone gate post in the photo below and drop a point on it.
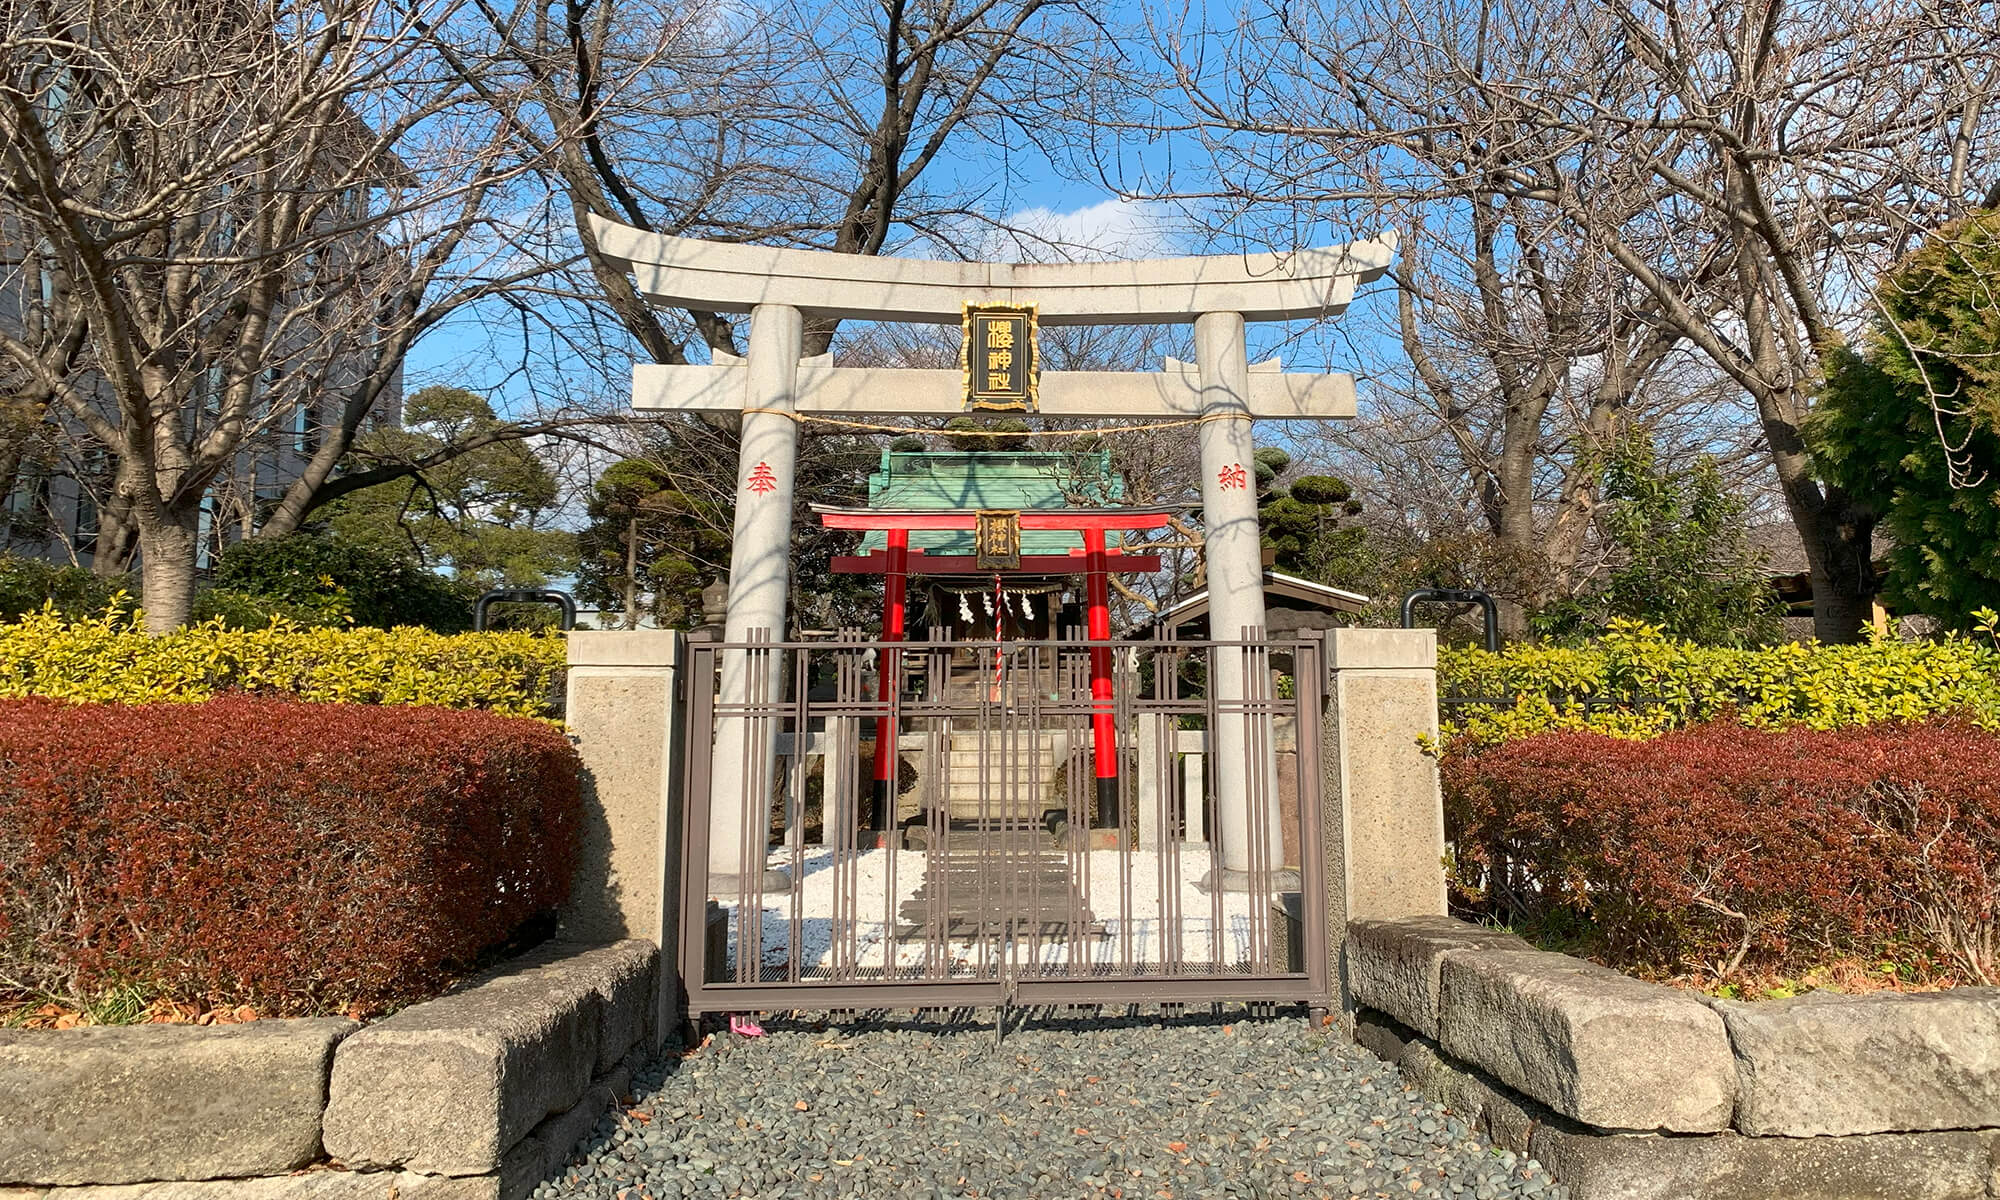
(759, 575)
(625, 716)
(1381, 701)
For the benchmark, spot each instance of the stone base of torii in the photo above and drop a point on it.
(774, 388)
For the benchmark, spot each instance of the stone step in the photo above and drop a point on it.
(914, 911)
(997, 755)
(999, 760)
(1044, 909)
(966, 804)
(994, 882)
(969, 788)
(971, 756)
(999, 738)
(977, 883)
(1003, 794)
(957, 861)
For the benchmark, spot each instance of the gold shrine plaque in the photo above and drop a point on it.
(996, 540)
(999, 358)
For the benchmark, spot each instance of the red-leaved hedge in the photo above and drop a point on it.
(1719, 846)
(296, 857)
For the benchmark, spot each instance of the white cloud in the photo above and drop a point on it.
(1112, 228)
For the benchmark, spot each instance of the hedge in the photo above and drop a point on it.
(109, 659)
(1675, 684)
(1721, 848)
(300, 858)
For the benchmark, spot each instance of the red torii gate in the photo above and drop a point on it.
(1098, 562)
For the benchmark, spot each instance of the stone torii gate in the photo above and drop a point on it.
(774, 388)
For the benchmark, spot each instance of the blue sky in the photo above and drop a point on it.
(1024, 188)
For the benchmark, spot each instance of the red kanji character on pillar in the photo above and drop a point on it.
(1233, 477)
(761, 479)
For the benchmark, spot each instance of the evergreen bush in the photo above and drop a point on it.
(110, 659)
(1636, 683)
(322, 580)
(29, 584)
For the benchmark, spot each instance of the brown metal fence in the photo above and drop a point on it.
(1007, 873)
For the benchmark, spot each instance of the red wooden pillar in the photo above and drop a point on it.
(1103, 726)
(895, 583)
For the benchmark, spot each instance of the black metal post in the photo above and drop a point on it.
(1457, 596)
(560, 599)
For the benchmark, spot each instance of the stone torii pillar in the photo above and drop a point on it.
(760, 571)
(1233, 551)
(1218, 293)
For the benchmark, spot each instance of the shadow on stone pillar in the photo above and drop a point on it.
(1382, 811)
(625, 719)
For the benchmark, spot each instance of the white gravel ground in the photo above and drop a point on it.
(1129, 928)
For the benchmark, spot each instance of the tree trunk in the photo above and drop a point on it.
(1515, 588)
(116, 539)
(632, 573)
(166, 565)
(1839, 549)
(1837, 533)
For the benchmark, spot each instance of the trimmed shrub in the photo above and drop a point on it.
(111, 660)
(246, 610)
(324, 580)
(1721, 847)
(28, 584)
(1545, 688)
(301, 858)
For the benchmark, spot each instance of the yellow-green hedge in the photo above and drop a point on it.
(108, 659)
(1819, 687)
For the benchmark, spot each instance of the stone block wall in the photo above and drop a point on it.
(474, 1096)
(1632, 1091)
(128, 1104)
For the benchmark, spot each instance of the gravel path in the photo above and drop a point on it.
(1132, 1108)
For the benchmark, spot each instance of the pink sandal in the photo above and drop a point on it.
(745, 1026)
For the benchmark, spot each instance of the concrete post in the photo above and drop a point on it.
(1194, 786)
(1154, 794)
(1380, 784)
(760, 559)
(625, 716)
(1233, 551)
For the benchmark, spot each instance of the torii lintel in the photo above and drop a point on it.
(732, 277)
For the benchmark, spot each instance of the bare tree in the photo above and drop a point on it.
(1742, 170)
(1531, 361)
(822, 127)
(815, 128)
(226, 229)
(1521, 346)
(1802, 151)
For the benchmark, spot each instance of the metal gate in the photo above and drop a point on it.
(1005, 867)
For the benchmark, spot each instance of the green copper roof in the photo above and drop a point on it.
(992, 479)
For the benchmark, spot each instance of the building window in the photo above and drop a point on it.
(211, 387)
(83, 539)
(204, 535)
(305, 432)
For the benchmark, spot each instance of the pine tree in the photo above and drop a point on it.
(1911, 423)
